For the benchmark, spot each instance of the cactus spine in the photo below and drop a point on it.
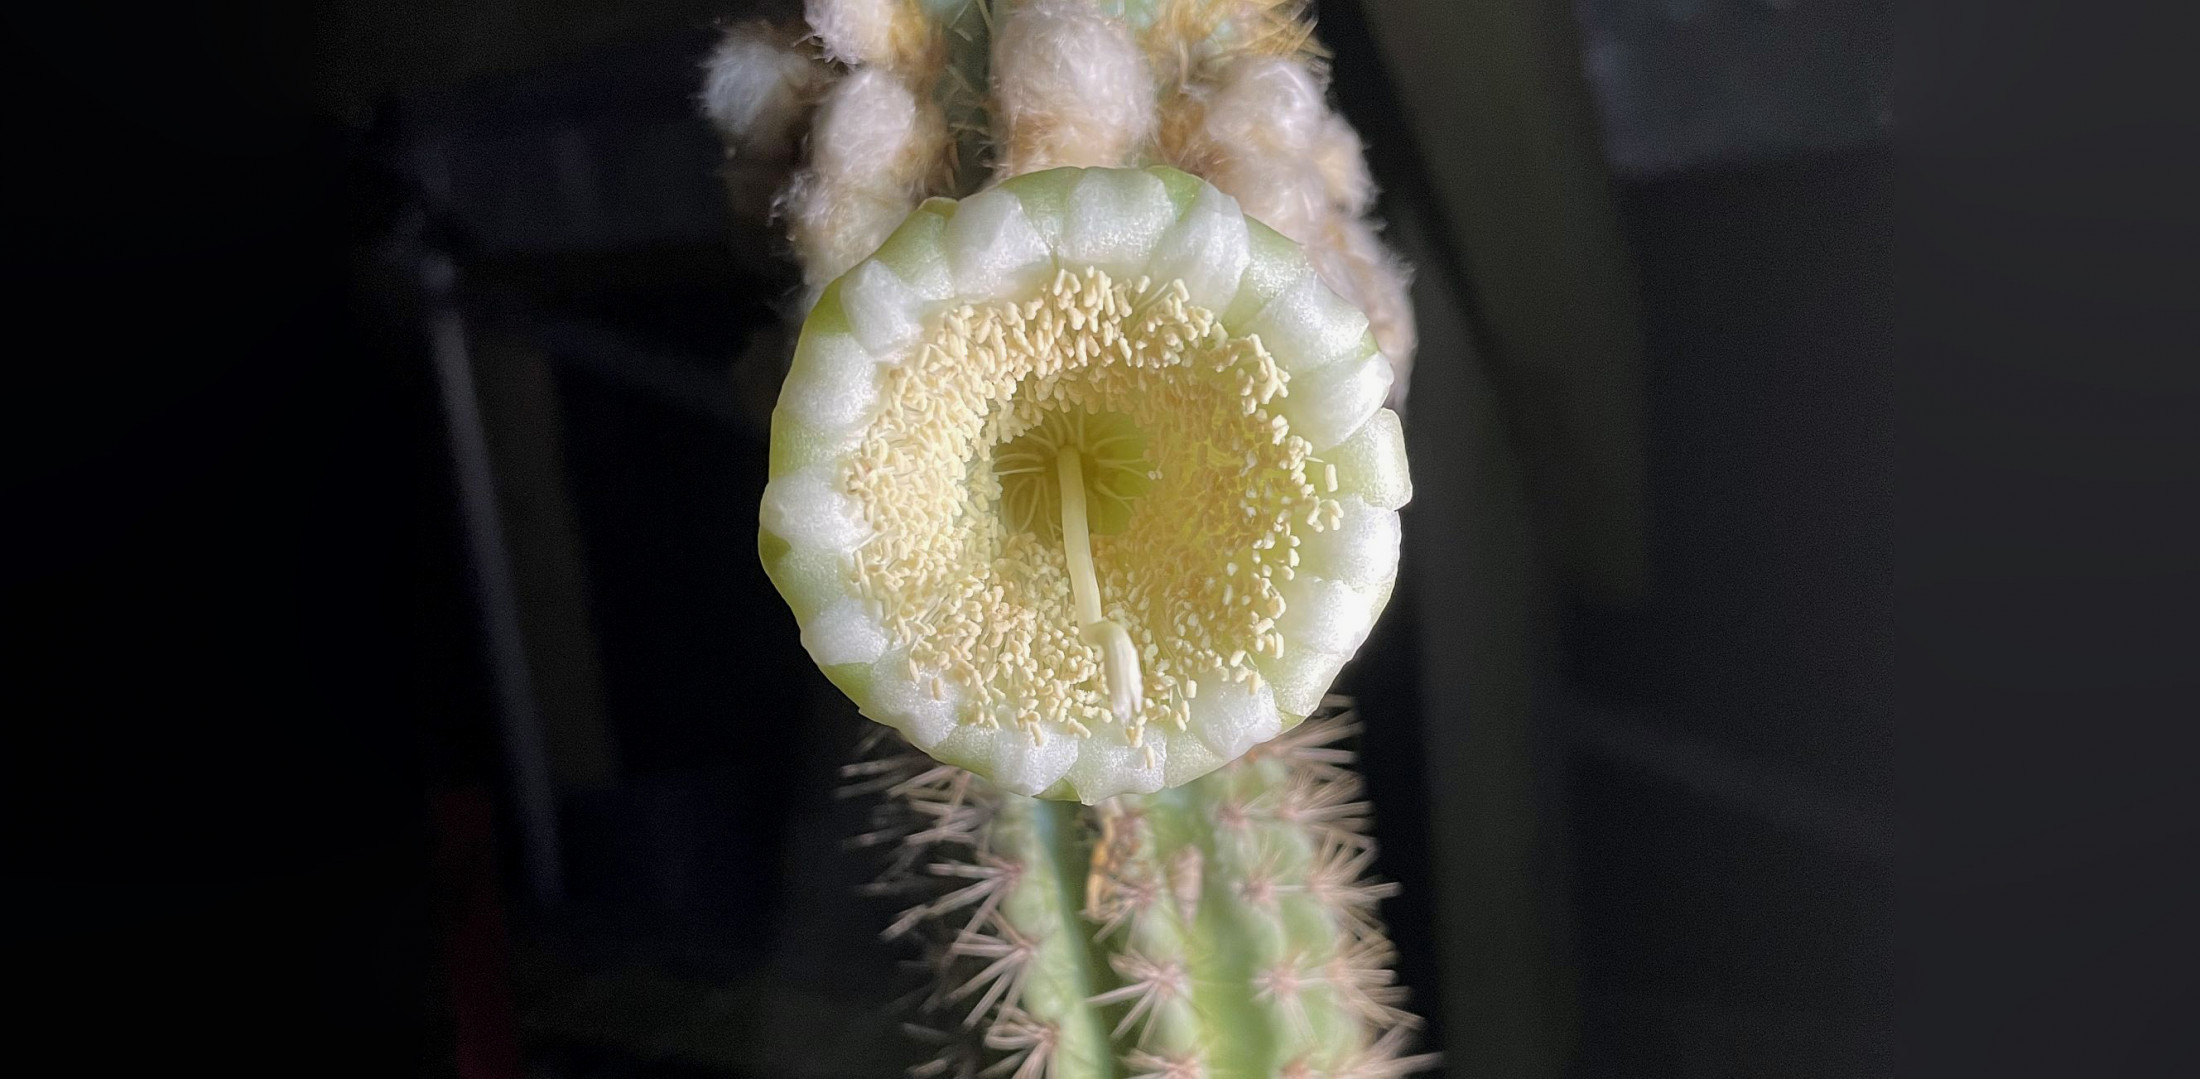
(1224, 929)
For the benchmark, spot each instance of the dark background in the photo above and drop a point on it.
(332, 756)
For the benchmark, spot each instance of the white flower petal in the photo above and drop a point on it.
(833, 384)
(1045, 195)
(1206, 249)
(806, 508)
(969, 745)
(1326, 405)
(1372, 463)
(1273, 264)
(1302, 678)
(1024, 768)
(1107, 764)
(910, 708)
(1321, 615)
(993, 247)
(843, 633)
(1232, 717)
(796, 446)
(917, 254)
(1307, 326)
(1361, 550)
(1188, 759)
(883, 311)
(809, 578)
(1115, 216)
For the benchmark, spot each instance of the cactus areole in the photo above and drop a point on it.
(1084, 482)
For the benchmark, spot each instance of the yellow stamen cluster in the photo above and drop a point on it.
(977, 602)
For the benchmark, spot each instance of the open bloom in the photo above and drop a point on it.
(1084, 482)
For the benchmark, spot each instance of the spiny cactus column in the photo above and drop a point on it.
(1081, 479)
(1225, 929)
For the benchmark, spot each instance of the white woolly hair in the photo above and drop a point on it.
(1265, 136)
(1070, 87)
(1256, 140)
(756, 90)
(873, 146)
(1361, 269)
(1341, 159)
(889, 33)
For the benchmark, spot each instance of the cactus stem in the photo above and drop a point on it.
(1225, 929)
(1002, 979)
(1149, 986)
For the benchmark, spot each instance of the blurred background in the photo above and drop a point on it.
(388, 593)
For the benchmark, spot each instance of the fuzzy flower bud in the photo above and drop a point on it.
(1071, 88)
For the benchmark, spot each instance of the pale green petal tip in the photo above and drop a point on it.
(1045, 195)
(770, 550)
(915, 253)
(830, 393)
(1183, 187)
(1277, 263)
(853, 679)
(1372, 463)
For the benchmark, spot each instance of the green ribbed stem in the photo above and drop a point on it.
(1219, 930)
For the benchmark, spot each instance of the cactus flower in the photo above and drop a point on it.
(1084, 482)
